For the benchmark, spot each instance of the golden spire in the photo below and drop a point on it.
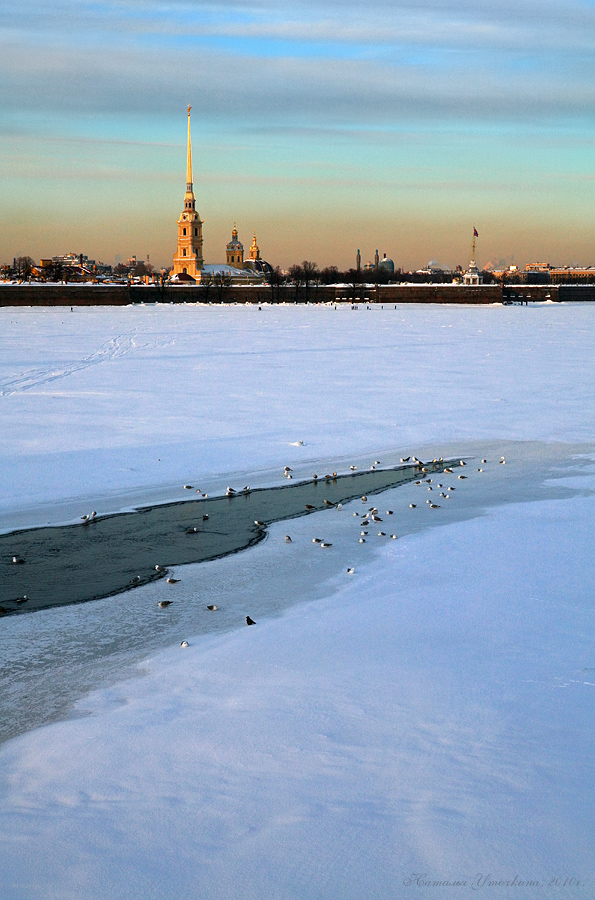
(189, 165)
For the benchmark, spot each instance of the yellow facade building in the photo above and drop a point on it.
(188, 259)
(188, 263)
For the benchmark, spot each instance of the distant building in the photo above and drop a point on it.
(473, 275)
(188, 262)
(385, 264)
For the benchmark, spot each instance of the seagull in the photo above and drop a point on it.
(415, 459)
(192, 530)
(480, 470)
(362, 540)
(327, 503)
(438, 485)
(417, 482)
(376, 519)
(412, 505)
(434, 506)
(382, 534)
(430, 489)
(502, 460)
(22, 599)
(229, 492)
(448, 470)
(309, 506)
(317, 540)
(389, 512)
(160, 569)
(288, 539)
(287, 475)
(184, 644)
(393, 537)
(246, 488)
(164, 603)
(350, 571)
(365, 522)
(187, 487)
(376, 462)
(18, 560)
(462, 462)
(462, 477)
(172, 580)
(363, 532)
(484, 460)
(258, 522)
(405, 458)
(288, 469)
(364, 499)
(339, 506)
(325, 544)
(353, 468)
(250, 621)
(314, 477)
(297, 444)
(205, 517)
(442, 494)
(211, 607)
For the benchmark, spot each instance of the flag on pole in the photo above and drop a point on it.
(475, 233)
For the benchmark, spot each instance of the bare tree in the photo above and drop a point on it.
(276, 279)
(296, 275)
(206, 283)
(329, 275)
(24, 267)
(221, 283)
(311, 275)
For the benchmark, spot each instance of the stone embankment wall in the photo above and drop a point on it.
(121, 294)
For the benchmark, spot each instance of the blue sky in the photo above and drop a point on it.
(323, 126)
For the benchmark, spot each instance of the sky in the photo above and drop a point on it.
(324, 127)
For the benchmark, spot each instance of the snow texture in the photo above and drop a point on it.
(427, 719)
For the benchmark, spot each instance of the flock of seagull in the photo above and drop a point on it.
(367, 520)
(370, 518)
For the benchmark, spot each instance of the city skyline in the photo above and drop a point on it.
(321, 127)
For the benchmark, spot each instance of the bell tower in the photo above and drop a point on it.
(254, 249)
(188, 259)
(235, 250)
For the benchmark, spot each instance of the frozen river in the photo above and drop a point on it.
(429, 714)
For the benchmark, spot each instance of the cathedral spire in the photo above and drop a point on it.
(188, 259)
(189, 163)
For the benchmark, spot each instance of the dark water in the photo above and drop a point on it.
(115, 553)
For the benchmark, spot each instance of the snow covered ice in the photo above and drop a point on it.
(430, 714)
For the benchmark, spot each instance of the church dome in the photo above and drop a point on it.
(387, 264)
(235, 243)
